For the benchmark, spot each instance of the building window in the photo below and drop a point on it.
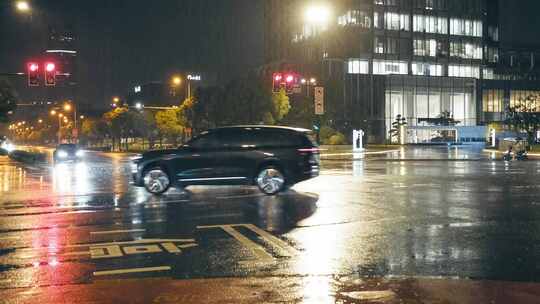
(425, 47)
(493, 33)
(492, 100)
(386, 45)
(465, 27)
(355, 18)
(469, 71)
(386, 67)
(430, 24)
(426, 69)
(386, 2)
(492, 54)
(358, 66)
(529, 100)
(396, 22)
(430, 4)
(465, 50)
(488, 73)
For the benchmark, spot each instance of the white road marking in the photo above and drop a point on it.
(255, 248)
(131, 270)
(118, 231)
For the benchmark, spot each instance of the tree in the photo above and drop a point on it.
(280, 104)
(8, 99)
(169, 125)
(524, 116)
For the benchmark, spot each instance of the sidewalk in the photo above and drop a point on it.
(296, 289)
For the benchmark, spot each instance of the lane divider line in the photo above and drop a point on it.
(118, 231)
(131, 270)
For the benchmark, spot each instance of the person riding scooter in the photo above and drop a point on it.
(508, 155)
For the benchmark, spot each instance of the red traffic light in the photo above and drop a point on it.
(33, 74)
(33, 67)
(289, 78)
(50, 74)
(49, 67)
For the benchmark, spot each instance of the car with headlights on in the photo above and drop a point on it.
(67, 152)
(270, 157)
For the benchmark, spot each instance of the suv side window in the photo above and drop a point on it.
(279, 138)
(206, 141)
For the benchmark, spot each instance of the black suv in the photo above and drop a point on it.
(273, 158)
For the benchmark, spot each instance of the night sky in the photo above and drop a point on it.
(126, 42)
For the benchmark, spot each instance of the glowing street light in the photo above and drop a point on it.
(176, 80)
(319, 15)
(313, 81)
(116, 99)
(40, 120)
(67, 107)
(53, 112)
(139, 106)
(23, 6)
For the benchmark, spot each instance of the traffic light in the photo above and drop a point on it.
(277, 79)
(289, 83)
(33, 74)
(50, 74)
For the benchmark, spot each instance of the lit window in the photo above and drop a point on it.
(426, 69)
(466, 50)
(488, 73)
(492, 100)
(425, 47)
(395, 21)
(464, 71)
(385, 67)
(430, 24)
(355, 18)
(528, 100)
(358, 66)
(463, 27)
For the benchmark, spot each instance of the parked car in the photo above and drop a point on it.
(273, 158)
(67, 152)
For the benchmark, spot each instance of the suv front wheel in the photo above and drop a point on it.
(270, 180)
(156, 180)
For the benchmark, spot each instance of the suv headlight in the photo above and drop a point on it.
(62, 154)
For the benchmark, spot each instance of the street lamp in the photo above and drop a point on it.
(317, 15)
(22, 6)
(138, 106)
(176, 81)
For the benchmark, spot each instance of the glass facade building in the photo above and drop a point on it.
(414, 58)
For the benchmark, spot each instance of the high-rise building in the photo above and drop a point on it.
(421, 59)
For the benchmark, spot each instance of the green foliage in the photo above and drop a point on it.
(337, 139)
(330, 136)
(301, 113)
(243, 101)
(8, 99)
(169, 124)
(281, 105)
(325, 133)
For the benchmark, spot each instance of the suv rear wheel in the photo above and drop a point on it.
(156, 180)
(270, 180)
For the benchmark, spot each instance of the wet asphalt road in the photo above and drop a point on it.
(459, 214)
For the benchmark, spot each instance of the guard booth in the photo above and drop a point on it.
(517, 144)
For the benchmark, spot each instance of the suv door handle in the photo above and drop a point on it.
(195, 155)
